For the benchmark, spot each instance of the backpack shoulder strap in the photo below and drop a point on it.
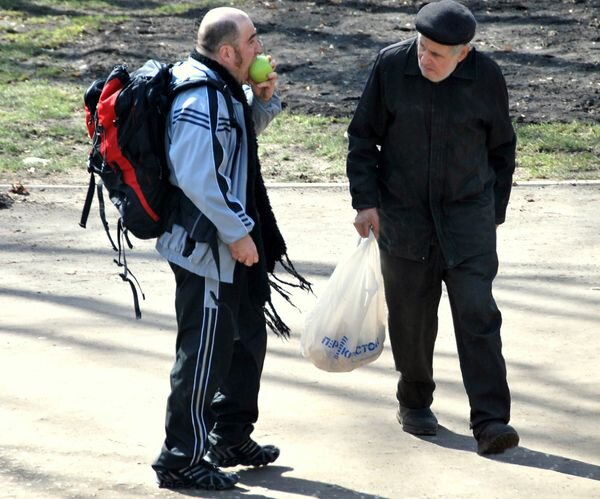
(205, 80)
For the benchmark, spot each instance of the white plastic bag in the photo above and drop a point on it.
(346, 327)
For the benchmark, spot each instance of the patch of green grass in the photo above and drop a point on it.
(175, 8)
(182, 8)
(31, 30)
(64, 30)
(41, 6)
(304, 148)
(28, 39)
(42, 120)
(558, 151)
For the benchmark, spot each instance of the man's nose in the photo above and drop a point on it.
(425, 58)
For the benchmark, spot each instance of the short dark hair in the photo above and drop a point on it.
(217, 34)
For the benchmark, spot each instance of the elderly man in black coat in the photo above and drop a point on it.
(430, 163)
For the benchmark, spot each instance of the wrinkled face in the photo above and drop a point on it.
(248, 47)
(437, 61)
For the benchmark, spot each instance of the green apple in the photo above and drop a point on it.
(260, 69)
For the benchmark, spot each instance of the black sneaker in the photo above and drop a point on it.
(248, 453)
(417, 421)
(203, 475)
(496, 437)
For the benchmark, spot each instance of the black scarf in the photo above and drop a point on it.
(265, 234)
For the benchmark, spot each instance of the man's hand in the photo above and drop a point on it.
(265, 90)
(244, 251)
(367, 219)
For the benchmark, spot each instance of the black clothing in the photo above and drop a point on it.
(413, 292)
(437, 159)
(215, 373)
(221, 326)
(447, 155)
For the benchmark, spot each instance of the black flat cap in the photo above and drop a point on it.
(446, 22)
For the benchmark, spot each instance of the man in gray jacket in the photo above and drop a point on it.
(221, 243)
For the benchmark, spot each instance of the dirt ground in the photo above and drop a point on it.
(84, 384)
(549, 50)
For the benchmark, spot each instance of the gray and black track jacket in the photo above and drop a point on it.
(208, 160)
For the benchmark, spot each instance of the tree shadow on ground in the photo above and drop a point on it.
(521, 456)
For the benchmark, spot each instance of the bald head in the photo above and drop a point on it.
(219, 26)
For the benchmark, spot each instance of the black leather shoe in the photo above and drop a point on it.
(496, 437)
(417, 421)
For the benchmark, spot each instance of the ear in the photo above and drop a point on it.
(226, 53)
(464, 51)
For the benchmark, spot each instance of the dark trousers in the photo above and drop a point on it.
(413, 292)
(220, 350)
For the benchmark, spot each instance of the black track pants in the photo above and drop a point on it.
(413, 292)
(220, 349)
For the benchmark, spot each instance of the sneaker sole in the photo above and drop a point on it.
(236, 461)
(267, 455)
(187, 485)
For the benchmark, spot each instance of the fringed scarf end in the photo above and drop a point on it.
(275, 322)
(278, 284)
(288, 266)
(272, 318)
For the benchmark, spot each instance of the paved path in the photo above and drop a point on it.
(83, 385)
